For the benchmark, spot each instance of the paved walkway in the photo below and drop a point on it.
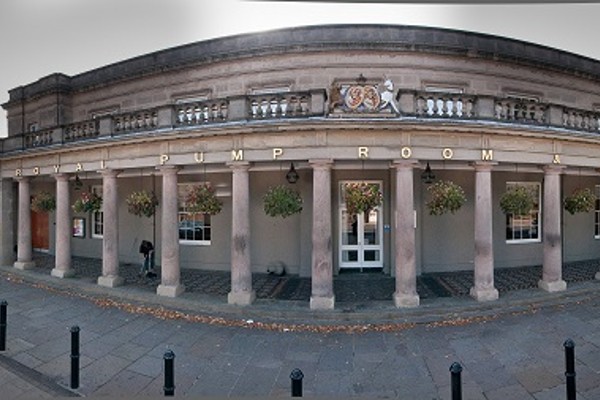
(510, 349)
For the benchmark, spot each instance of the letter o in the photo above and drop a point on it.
(406, 152)
(447, 154)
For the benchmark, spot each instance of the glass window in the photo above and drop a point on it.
(97, 217)
(525, 228)
(193, 228)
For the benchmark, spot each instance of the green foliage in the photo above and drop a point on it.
(88, 202)
(281, 201)
(201, 199)
(581, 200)
(142, 203)
(361, 197)
(445, 196)
(43, 202)
(517, 200)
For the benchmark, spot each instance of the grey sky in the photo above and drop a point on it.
(40, 37)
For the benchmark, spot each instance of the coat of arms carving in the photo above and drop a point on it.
(363, 98)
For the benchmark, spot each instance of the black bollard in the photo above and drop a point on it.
(3, 305)
(570, 368)
(169, 387)
(296, 376)
(456, 386)
(74, 357)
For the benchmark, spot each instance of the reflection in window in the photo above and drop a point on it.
(524, 227)
(193, 228)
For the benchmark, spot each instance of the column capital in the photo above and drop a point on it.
(22, 178)
(168, 169)
(321, 163)
(61, 176)
(483, 165)
(404, 164)
(553, 169)
(109, 172)
(239, 165)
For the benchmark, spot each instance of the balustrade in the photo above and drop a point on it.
(81, 131)
(520, 111)
(38, 138)
(444, 105)
(141, 120)
(580, 119)
(202, 112)
(279, 105)
(456, 106)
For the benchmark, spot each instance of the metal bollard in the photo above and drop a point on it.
(3, 305)
(169, 387)
(74, 357)
(296, 376)
(455, 383)
(570, 368)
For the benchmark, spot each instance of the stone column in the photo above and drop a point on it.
(110, 242)
(241, 274)
(404, 246)
(62, 264)
(483, 286)
(322, 297)
(170, 284)
(24, 246)
(552, 268)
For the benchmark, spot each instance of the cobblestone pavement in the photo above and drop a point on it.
(509, 349)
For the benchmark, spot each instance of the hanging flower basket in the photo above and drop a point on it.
(88, 202)
(43, 202)
(361, 197)
(281, 201)
(445, 196)
(580, 201)
(201, 199)
(142, 203)
(517, 200)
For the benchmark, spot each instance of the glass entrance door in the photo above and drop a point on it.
(361, 244)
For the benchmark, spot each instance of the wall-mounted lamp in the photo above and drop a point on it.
(427, 176)
(292, 176)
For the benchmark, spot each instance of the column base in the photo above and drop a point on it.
(405, 300)
(110, 281)
(481, 294)
(24, 265)
(241, 298)
(169, 290)
(555, 286)
(322, 303)
(62, 273)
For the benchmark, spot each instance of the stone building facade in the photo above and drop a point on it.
(342, 105)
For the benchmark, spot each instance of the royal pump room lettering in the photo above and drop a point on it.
(362, 153)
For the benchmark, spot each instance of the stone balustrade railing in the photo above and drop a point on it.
(442, 105)
(278, 106)
(581, 120)
(518, 110)
(81, 131)
(38, 138)
(281, 105)
(142, 120)
(198, 113)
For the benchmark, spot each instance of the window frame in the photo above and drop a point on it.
(188, 242)
(538, 239)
